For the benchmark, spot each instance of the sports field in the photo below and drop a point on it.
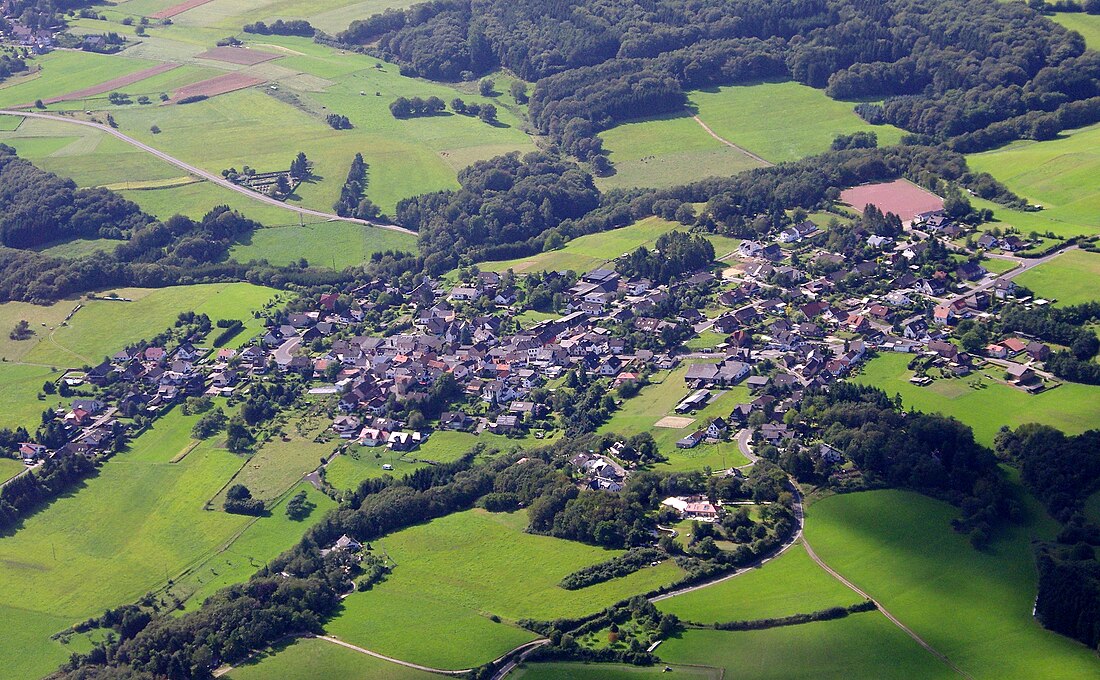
(307, 659)
(1059, 174)
(789, 584)
(1069, 279)
(1072, 407)
(974, 606)
(445, 583)
(863, 645)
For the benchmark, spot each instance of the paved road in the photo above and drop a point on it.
(730, 144)
(208, 176)
(1024, 265)
(285, 352)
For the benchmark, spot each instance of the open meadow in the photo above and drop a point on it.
(571, 670)
(444, 582)
(1071, 407)
(1068, 279)
(308, 659)
(1059, 174)
(1088, 25)
(972, 605)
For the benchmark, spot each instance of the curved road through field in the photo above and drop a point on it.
(208, 176)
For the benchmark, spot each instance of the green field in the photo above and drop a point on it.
(282, 462)
(584, 671)
(860, 646)
(668, 150)
(9, 467)
(1069, 279)
(1071, 407)
(1088, 25)
(347, 471)
(1059, 174)
(19, 403)
(782, 121)
(434, 608)
(789, 584)
(974, 606)
(327, 244)
(307, 659)
(64, 71)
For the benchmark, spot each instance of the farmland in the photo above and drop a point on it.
(1058, 174)
(861, 645)
(1069, 279)
(1071, 407)
(901, 197)
(579, 671)
(974, 606)
(307, 659)
(443, 584)
(789, 584)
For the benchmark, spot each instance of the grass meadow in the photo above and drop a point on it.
(1059, 174)
(65, 71)
(307, 659)
(863, 645)
(974, 606)
(9, 468)
(1071, 407)
(325, 244)
(1088, 25)
(434, 608)
(789, 584)
(1069, 279)
(566, 670)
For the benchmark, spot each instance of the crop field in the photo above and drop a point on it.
(1058, 174)
(789, 584)
(1069, 279)
(782, 121)
(445, 583)
(668, 150)
(901, 197)
(863, 645)
(325, 244)
(564, 670)
(103, 327)
(974, 606)
(1088, 25)
(307, 659)
(1071, 407)
(67, 71)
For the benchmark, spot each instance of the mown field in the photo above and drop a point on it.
(1059, 174)
(325, 244)
(1071, 407)
(307, 659)
(1088, 25)
(64, 71)
(582, 671)
(860, 646)
(789, 584)
(974, 606)
(434, 608)
(1069, 279)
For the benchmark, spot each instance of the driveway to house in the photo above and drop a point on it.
(285, 352)
(208, 176)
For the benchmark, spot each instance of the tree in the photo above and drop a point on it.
(282, 185)
(299, 507)
(300, 166)
(488, 113)
(38, 104)
(519, 92)
(485, 87)
(48, 387)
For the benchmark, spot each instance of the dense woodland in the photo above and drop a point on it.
(945, 68)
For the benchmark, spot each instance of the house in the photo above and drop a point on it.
(943, 315)
(717, 429)
(749, 248)
(1018, 374)
(372, 436)
(30, 451)
(403, 441)
(454, 420)
(345, 426)
(1038, 351)
(1004, 288)
(996, 351)
(987, 241)
(90, 406)
(701, 510)
(944, 349)
(970, 271)
(347, 543)
(692, 440)
(1014, 345)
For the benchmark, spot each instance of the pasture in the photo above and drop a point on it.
(566, 670)
(789, 584)
(782, 121)
(324, 244)
(64, 71)
(1069, 279)
(974, 606)
(445, 583)
(348, 470)
(1088, 25)
(19, 403)
(9, 467)
(668, 150)
(1071, 407)
(307, 659)
(1059, 174)
(863, 645)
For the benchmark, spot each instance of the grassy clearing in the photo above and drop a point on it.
(974, 606)
(80, 247)
(789, 584)
(102, 327)
(347, 471)
(1088, 25)
(327, 244)
(445, 583)
(1069, 278)
(782, 121)
(1059, 174)
(668, 150)
(307, 659)
(1071, 407)
(860, 646)
(587, 671)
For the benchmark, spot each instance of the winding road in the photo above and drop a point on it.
(208, 176)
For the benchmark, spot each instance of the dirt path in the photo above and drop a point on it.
(730, 144)
(208, 176)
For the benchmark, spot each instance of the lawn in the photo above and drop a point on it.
(307, 659)
(668, 150)
(974, 606)
(1088, 25)
(1071, 407)
(1059, 174)
(10, 467)
(1069, 279)
(789, 584)
(863, 645)
(326, 244)
(564, 670)
(782, 121)
(103, 327)
(434, 607)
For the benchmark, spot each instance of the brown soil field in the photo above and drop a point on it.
(218, 85)
(901, 197)
(112, 85)
(172, 11)
(237, 55)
